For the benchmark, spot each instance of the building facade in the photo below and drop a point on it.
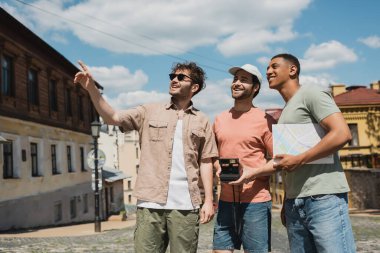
(360, 106)
(110, 141)
(130, 163)
(360, 158)
(45, 120)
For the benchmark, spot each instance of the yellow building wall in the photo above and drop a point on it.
(367, 120)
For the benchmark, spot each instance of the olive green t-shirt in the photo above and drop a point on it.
(311, 105)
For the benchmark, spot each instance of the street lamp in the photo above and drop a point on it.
(95, 131)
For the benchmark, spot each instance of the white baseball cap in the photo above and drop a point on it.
(250, 69)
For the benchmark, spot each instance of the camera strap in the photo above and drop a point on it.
(236, 212)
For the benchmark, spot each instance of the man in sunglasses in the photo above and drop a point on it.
(177, 145)
(244, 133)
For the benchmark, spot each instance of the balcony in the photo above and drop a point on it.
(360, 160)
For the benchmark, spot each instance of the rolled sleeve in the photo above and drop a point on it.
(132, 119)
(210, 149)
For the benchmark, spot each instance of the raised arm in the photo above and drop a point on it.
(84, 78)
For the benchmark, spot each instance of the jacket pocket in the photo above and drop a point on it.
(157, 130)
(197, 137)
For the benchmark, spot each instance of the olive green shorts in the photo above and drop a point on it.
(155, 228)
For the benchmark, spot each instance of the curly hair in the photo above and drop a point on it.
(197, 74)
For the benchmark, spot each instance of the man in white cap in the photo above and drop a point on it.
(244, 133)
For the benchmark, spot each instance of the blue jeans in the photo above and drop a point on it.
(254, 219)
(320, 224)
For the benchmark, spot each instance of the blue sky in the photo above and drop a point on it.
(130, 45)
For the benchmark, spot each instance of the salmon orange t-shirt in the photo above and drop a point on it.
(247, 136)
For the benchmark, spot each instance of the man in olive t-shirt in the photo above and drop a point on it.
(315, 210)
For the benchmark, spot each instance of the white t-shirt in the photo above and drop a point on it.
(178, 195)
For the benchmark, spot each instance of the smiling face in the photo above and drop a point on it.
(282, 70)
(182, 89)
(278, 72)
(242, 86)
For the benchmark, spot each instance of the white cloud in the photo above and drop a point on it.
(327, 55)
(254, 41)
(170, 26)
(219, 101)
(322, 80)
(263, 60)
(118, 79)
(59, 38)
(130, 99)
(371, 41)
(268, 98)
(15, 12)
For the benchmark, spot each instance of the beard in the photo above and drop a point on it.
(180, 94)
(242, 95)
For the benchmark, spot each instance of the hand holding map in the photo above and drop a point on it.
(294, 139)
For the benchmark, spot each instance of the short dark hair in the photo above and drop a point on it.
(292, 59)
(197, 74)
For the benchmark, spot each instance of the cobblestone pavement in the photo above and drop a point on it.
(366, 229)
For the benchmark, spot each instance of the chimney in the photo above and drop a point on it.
(375, 86)
(337, 89)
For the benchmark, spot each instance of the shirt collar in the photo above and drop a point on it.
(191, 108)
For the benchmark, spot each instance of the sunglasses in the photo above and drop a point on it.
(180, 77)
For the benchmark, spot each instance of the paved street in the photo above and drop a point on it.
(366, 228)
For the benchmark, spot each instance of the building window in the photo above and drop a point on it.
(129, 184)
(82, 167)
(54, 168)
(85, 203)
(129, 198)
(354, 133)
(58, 211)
(80, 108)
(8, 170)
(73, 207)
(53, 101)
(7, 76)
(68, 103)
(33, 87)
(34, 159)
(137, 152)
(69, 162)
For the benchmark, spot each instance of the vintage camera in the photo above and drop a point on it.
(229, 169)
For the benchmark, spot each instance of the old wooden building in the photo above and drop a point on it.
(45, 120)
